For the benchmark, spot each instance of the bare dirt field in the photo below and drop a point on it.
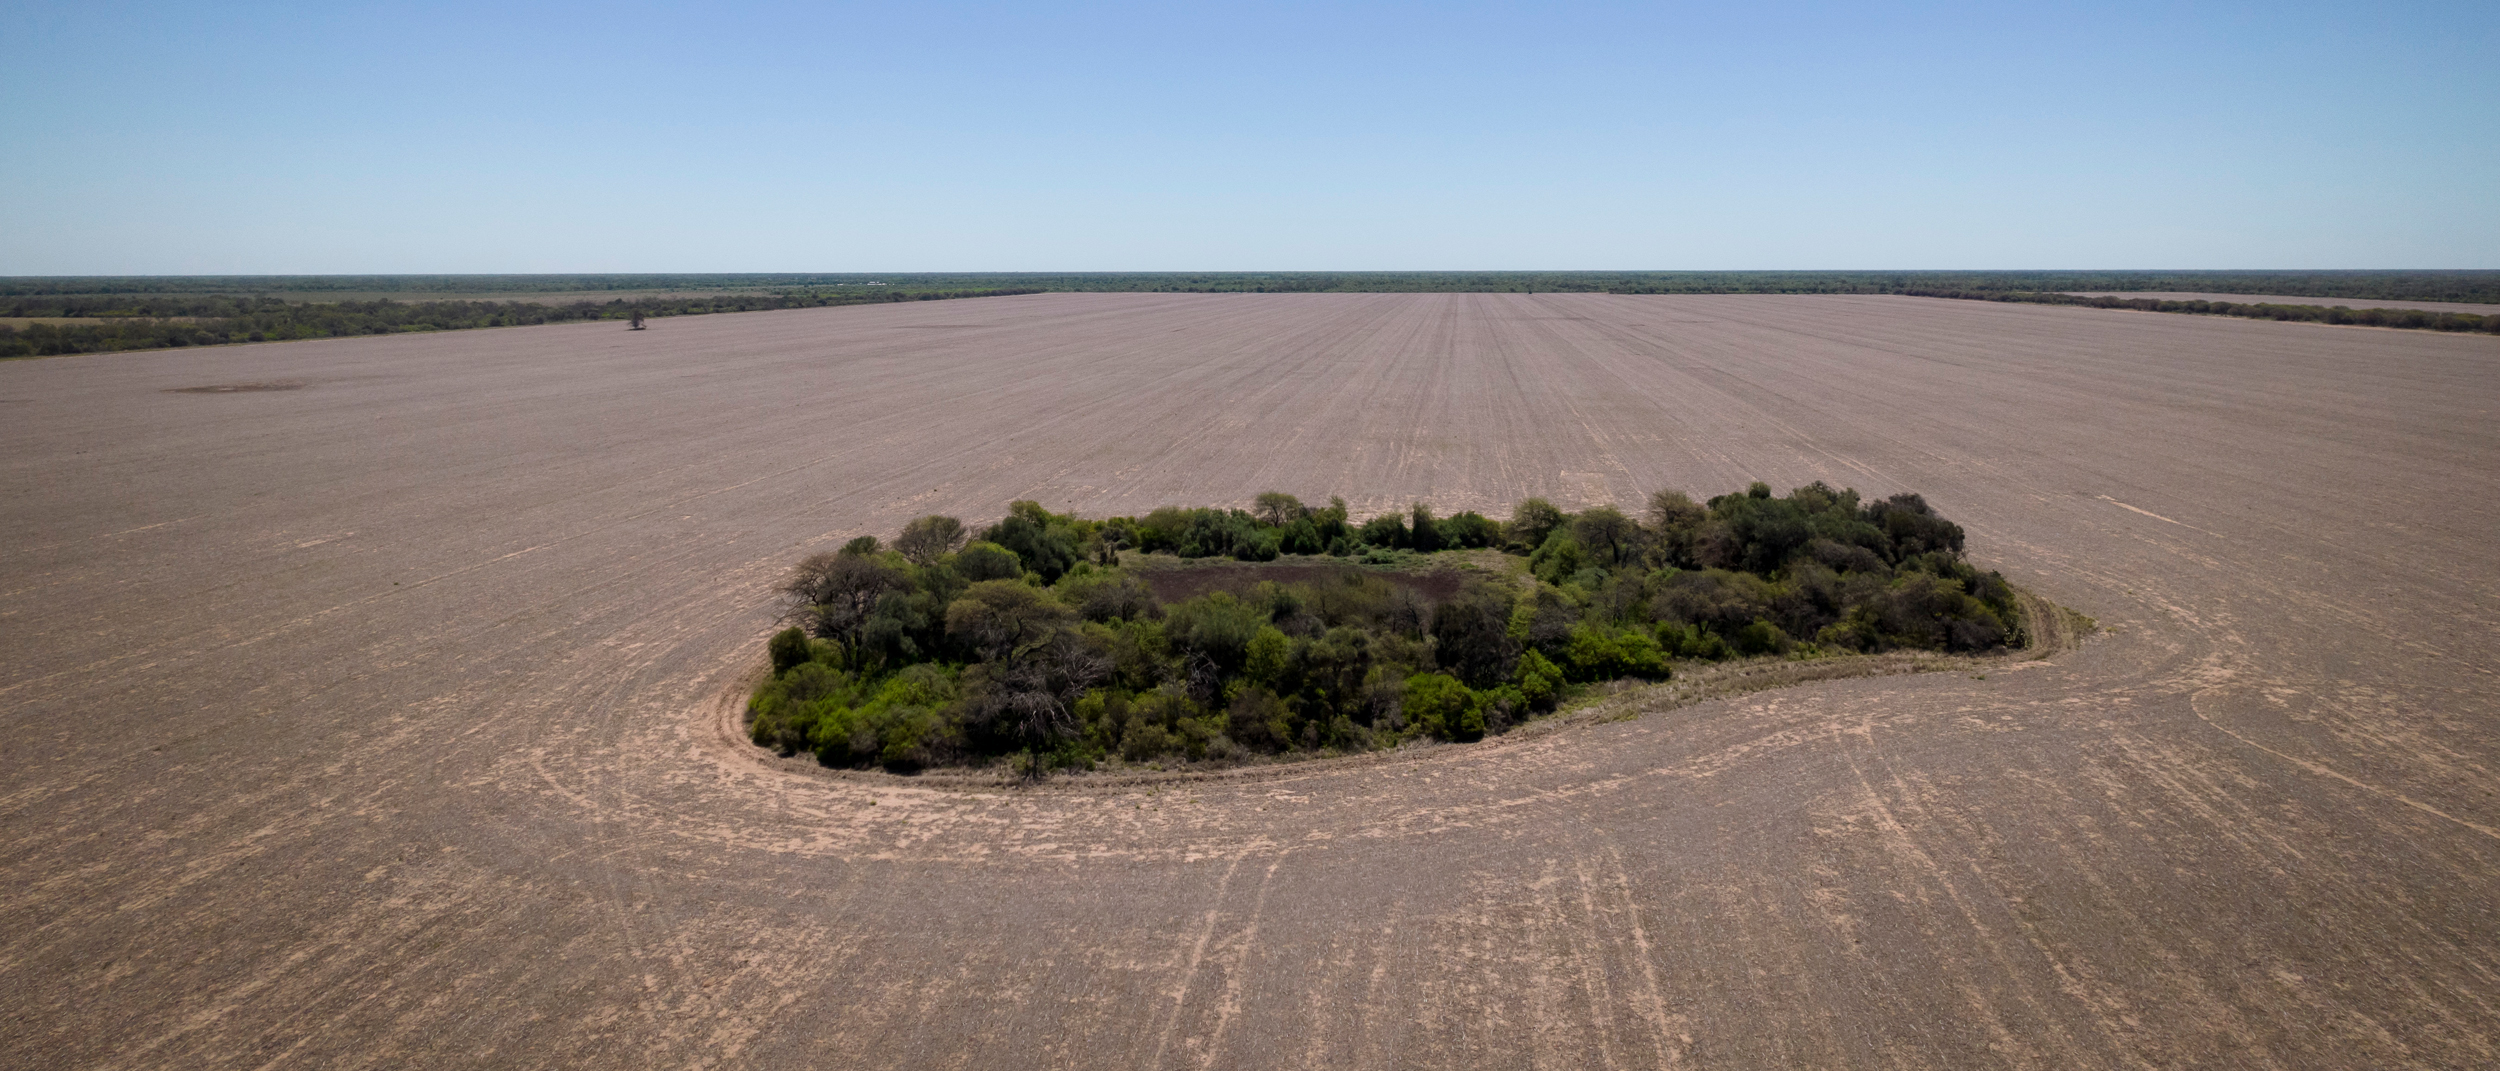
(385, 721)
(2467, 307)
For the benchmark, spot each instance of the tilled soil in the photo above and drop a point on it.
(388, 721)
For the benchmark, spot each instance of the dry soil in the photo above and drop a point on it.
(381, 722)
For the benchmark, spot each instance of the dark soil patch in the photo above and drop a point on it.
(1173, 584)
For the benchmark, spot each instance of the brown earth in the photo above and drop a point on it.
(380, 723)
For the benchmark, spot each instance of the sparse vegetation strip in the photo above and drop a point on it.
(1039, 642)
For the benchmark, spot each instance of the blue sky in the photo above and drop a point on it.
(453, 137)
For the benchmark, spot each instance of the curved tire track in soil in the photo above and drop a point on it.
(375, 722)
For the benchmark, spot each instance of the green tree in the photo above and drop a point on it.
(1559, 559)
(1265, 656)
(1539, 680)
(926, 539)
(1610, 538)
(1003, 619)
(1277, 509)
(1532, 521)
(1424, 533)
(1042, 546)
(988, 561)
(833, 594)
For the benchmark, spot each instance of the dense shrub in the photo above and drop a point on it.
(1033, 642)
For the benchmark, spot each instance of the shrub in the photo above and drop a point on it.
(1301, 537)
(1217, 627)
(1599, 653)
(1265, 657)
(988, 561)
(788, 648)
(1692, 641)
(1147, 741)
(1424, 533)
(1559, 559)
(1386, 530)
(1471, 637)
(1257, 720)
(1028, 533)
(1760, 638)
(1438, 705)
(1540, 682)
(1469, 530)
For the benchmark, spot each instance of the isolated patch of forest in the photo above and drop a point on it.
(1044, 642)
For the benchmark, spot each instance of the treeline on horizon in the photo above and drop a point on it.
(2471, 286)
(1033, 640)
(154, 321)
(148, 312)
(2417, 319)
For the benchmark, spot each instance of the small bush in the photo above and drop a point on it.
(1761, 638)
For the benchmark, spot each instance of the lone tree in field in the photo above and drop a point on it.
(637, 325)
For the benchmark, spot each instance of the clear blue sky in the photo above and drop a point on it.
(453, 137)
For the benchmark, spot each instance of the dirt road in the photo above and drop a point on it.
(370, 717)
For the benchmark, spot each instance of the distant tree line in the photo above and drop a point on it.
(1038, 640)
(148, 312)
(152, 321)
(2420, 319)
(2464, 286)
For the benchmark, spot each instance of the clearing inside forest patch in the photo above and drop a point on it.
(1175, 579)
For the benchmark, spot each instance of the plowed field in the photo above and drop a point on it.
(380, 714)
